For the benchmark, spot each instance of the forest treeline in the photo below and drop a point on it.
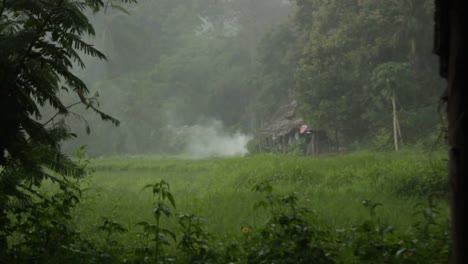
(173, 64)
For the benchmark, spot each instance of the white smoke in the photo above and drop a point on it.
(212, 140)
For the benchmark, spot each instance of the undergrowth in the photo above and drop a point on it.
(128, 220)
(290, 234)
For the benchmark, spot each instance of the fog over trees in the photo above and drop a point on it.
(177, 64)
(173, 65)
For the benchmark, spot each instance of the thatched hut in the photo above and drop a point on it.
(282, 122)
(284, 128)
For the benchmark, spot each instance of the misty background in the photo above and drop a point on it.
(199, 78)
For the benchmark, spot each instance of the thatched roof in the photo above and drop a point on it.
(283, 121)
(285, 112)
(281, 127)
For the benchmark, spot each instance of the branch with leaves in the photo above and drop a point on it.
(40, 42)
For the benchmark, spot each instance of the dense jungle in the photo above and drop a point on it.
(221, 131)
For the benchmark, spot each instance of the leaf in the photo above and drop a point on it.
(156, 189)
(171, 199)
(147, 186)
(166, 210)
(169, 232)
(157, 211)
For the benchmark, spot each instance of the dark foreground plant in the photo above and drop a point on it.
(155, 237)
(290, 235)
(374, 241)
(42, 232)
(195, 244)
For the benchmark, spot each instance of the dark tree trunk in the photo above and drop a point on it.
(451, 44)
(457, 110)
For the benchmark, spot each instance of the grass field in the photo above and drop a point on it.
(219, 189)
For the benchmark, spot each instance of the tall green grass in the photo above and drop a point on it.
(219, 189)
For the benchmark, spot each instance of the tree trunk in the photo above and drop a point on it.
(400, 138)
(457, 110)
(451, 42)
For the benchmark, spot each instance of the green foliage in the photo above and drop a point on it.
(113, 247)
(42, 232)
(154, 232)
(218, 189)
(382, 140)
(392, 77)
(288, 236)
(195, 242)
(428, 183)
(376, 241)
(358, 54)
(40, 42)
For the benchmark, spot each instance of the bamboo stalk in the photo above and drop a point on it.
(395, 123)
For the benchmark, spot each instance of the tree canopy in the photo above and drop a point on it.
(349, 50)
